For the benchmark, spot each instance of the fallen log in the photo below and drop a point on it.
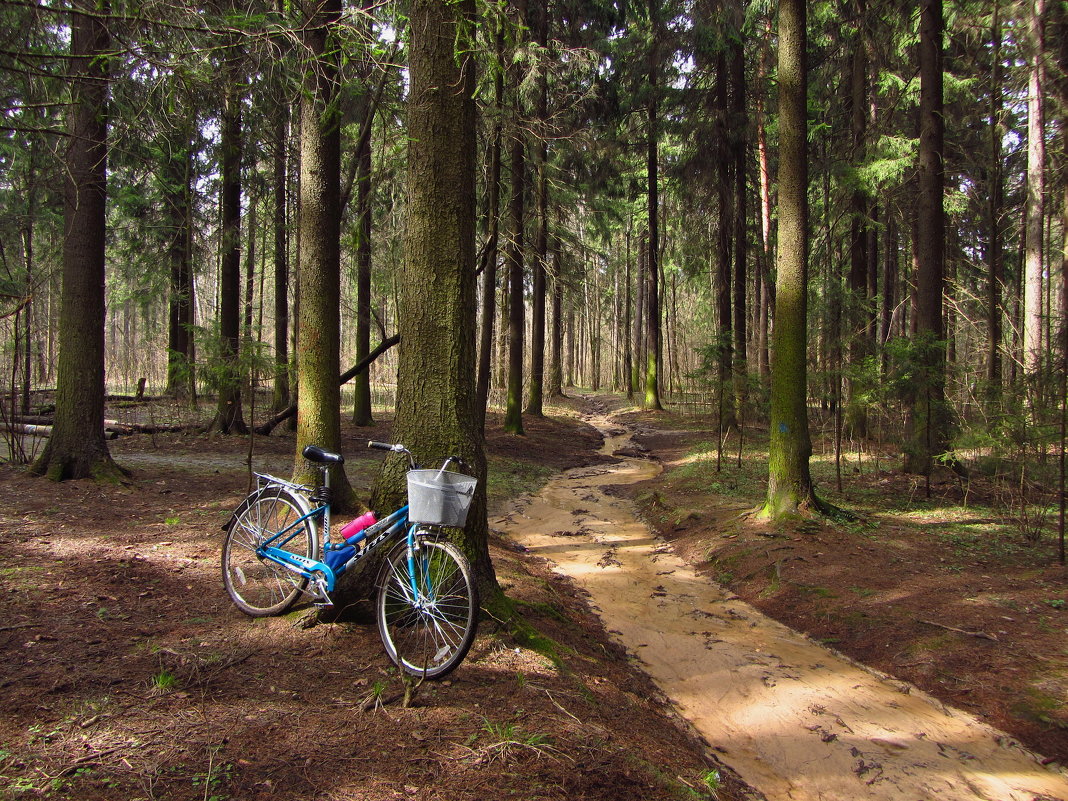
(142, 428)
(267, 427)
(33, 419)
(30, 429)
(114, 427)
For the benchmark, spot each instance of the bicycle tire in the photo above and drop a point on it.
(257, 586)
(427, 636)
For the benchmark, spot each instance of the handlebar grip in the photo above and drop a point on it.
(381, 446)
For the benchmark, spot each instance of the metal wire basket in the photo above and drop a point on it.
(439, 498)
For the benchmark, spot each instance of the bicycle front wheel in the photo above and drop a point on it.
(258, 586)
(427, 615)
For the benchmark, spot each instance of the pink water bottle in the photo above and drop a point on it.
(353, 530)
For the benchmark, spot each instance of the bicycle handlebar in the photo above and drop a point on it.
(398, 448)
(386, 446)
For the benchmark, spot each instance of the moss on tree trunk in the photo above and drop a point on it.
(437, 413)
(319, 323)
(789, 480)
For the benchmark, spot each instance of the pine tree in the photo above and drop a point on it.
(789, 480)
(436, 409)
(77, 448)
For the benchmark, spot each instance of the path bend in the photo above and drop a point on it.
(792, 718)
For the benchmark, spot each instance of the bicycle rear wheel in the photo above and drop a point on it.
(258, 586)
(427, 619)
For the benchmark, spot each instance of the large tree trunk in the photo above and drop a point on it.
(541, 240)
(628, 345)
(318, 354)
(32, 187)
(229, 419)
(493, 223)
(180, 378)
(513, 257)
(723, 243)
(250, 272)
(1034, 206)
(436, 409)
(1062, 85)
(930, 419)
(555, 386)
(639, 314)
(280, 394)
(889, 292)
(361, 407)
(763, 365)
(789, 480)
(652, 161)
(739, 366)
(857, 321)
(77, 448)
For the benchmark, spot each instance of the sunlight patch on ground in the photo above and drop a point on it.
(515, 661)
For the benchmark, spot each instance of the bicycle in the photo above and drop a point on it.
(278, 547)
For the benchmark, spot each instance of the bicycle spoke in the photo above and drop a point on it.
(256, 584)
(431, 629)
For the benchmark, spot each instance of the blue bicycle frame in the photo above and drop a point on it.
(272, 549)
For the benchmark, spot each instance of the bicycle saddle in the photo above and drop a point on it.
(313, 453)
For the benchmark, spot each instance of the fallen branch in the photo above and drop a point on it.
(21, 626)
(141, 428)
(982, 635)
(267, 427)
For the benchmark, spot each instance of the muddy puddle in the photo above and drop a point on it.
(794, 719)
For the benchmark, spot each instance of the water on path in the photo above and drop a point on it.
(795, 720)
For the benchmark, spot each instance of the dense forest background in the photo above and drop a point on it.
(628, 210)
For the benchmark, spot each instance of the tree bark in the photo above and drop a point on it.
(490, 251)
(1062, 86)
(280, 190)
(1034, 206)
(789, 479)
(857, 321)
(739, 365)
(181, 381)
(930, 418)
(229, 418)
(436, 410)
(77, 448)
(652, 161)
(639, 312)
(361, 408)
(763, 364)
(723, 243)
(319, 337)
(250, 271)
(513, 257)
(541, 240)
(555, 386)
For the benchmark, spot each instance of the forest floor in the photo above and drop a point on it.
(128, 673)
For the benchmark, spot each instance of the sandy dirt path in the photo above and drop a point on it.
(794, 719)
